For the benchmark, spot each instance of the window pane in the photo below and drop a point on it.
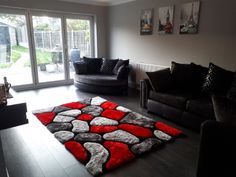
(79, 40)
(14, 50)
(48, 47)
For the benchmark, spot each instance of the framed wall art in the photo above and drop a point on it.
(189, 18)
(146, 22)
(165, 22)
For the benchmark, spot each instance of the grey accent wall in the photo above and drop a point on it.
(99, 11)
(215, 42)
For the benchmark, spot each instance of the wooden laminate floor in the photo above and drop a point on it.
(32, 151)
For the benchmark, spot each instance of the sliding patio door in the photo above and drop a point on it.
(48, 47)
(35, 46)
(15, 63)
(79, 39)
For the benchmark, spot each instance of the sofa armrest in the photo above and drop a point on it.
(80, 68)
(145, 88)
(217, 154)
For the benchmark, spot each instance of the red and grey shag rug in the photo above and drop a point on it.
(103, 135)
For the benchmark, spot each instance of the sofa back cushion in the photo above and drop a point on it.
(80, 68)
(93, 64)
(160, 80)
(232, 91)
(119, 64)
(199, 74)
(218, 80)
(123, 72)
(108, 65)
(181, 75)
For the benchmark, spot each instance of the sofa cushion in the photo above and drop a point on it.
(160, 80)
(93, 64)
(181, 75)
(232, 91)
(201, 106)
(123, 72)
(199, 74)
(108, 66)
(218, 80)
(177, 100)
(80, 68)
(99, 79)
(119, 64)
(225, 109)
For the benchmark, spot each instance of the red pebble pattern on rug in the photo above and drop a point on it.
(107, 139)
(119, 154)
(85, 117)
(77, 150)
(75, 105)
(113, 114)
(109, 105)
(168, 129)
(136, 130)
(46, 117)
(103, 129)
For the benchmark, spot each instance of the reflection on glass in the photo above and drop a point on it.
(14, 50)
(48, 47)
(79, 40)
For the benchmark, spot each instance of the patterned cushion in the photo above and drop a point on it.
(93, 64)
(108, 66)
(218, 80)
(232, 91)
(119, 64)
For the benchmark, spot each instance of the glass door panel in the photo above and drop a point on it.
(48, 48)
(14, 50)
(78, 40)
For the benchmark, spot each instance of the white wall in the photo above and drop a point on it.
(215, 42)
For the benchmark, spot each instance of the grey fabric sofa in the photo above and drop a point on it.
(90, 76)
(182, 93)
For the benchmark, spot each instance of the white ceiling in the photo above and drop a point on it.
(100, 2)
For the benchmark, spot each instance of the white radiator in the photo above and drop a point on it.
(138, 72)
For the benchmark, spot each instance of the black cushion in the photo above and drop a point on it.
(181, 76)
(201, 106)
(108, 66)
(80, 68)
(232, 91)
(119, 64)
(225, 109)
(198, 77)
(93, 64)
(160, 80)
(218, 80)
(177, 100)
(123, 72)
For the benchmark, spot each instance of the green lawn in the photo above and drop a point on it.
(42, 55)
(15, 56)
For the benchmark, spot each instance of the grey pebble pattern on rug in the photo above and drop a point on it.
(99, 156)
(145, 146)
(121, 136)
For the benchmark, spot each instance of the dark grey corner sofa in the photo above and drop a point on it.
(182, 93)
(99, 75)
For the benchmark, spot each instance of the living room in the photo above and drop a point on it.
(30, 150)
